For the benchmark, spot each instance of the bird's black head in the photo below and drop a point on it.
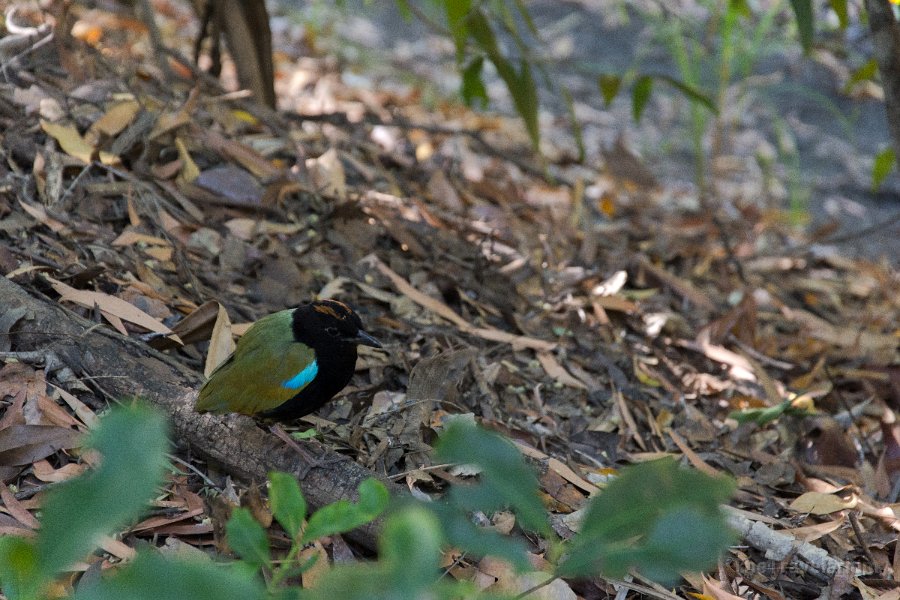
(330, 324)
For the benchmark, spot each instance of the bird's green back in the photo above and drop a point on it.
(252, 379)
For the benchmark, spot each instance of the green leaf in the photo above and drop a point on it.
(620, 525)
(410, 544)
(465, 535)
(609, 87)
(473, 87)
(520, 83)
(505, 478)
(865, 73)
(684, 539)
(526, 17)
(408, 569)
(343, 515)
(78, 513)
(741, 7)
(18, 568)
(692, 93)
(248, 538)
(885, 161)
(150, 576)
(288, 503)
(574, 125)
(306, 434)
(840, 9)
(404, 10)
(803, 11)
(640, 94)
(456, 12)
(760, 416)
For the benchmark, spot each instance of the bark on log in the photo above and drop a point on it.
(125, 368)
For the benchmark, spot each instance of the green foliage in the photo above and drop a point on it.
(152, 576)
(287, 503)
(640, 94)
(609, 85)
(656, 517)
(78, 513)
(885, 161)
(505, 478)
(471, 22)
(762, 416)
(803, 11)
(248, 539)
(342, 516)
(410, 549)
(840, 9)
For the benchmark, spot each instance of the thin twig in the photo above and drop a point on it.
(858, 534)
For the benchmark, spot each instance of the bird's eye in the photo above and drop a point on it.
(332, 331)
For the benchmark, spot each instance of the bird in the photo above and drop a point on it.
(288, 363)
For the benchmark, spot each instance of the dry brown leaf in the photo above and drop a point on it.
(681, 286)
(699, 464)
(559, 467)
(129, 237)
(811, 533)
(117, 548)
(318, 569)
(40, 215)
(110, 305)
(221, 344)
(45, 472)
(817, 503)
(442, 310)
(52, 413)
(243, 155)
(327, 174)
(189, 169)
(24, 444)
(71, 142)
(714, 590)
(628, 419)
(117, 118)
(557, 371)
(15, 509)
(880, 347)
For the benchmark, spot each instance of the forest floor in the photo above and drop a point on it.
(817, 133)
(606, 318)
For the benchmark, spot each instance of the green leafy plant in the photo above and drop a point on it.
(656, 517)
(78, 513)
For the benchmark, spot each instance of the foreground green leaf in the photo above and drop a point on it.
(153, 577)
(506, 479)
(343, 515)
(78, 513)
(288, 503)
(18, 568)
(248, 538)
(410, 550)
(655, 516)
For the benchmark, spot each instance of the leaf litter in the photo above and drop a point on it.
(596, 318)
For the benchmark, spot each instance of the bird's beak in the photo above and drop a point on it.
(366, 340)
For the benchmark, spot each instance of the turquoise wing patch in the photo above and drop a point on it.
(302, 378)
